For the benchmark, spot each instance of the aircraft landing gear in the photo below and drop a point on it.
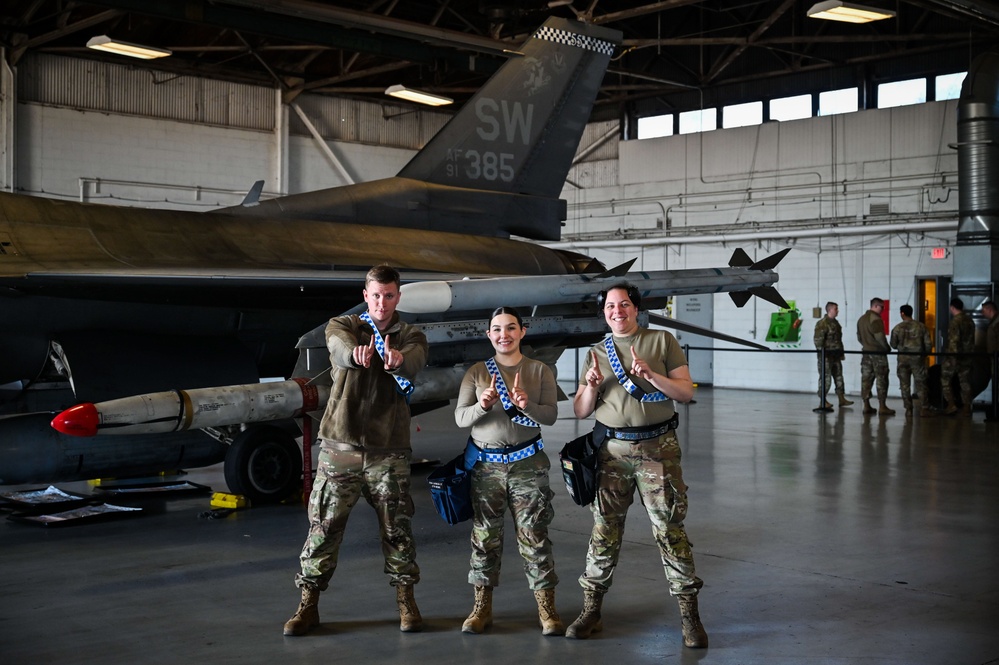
(264, 464)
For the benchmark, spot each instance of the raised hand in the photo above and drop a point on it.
(639, 367)
(489, 396)
(392, 358)
(362, 354)
(518, 396)
(593, 375)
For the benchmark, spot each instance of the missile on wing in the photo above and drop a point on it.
(178, 410)
(741, 279)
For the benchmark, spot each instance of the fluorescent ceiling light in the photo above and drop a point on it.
(105, 43)
(411, 95)
(834, 10)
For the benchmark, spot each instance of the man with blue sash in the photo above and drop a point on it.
(365, 448)
(629, 382)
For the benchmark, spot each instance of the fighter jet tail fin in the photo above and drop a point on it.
(252, 197)
(519, 133)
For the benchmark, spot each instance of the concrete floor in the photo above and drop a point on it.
(830, 538)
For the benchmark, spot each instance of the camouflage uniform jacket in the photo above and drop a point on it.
(365, 409)
(871, 333)
(911, 336)
(829, 336)
(961, 334)
(992, 336)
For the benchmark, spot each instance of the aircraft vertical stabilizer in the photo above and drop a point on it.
(519, 133)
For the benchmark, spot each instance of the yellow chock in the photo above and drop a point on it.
(233, 501)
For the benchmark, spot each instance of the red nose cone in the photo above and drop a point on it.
(80, 420)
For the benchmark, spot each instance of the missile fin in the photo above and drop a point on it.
(740, 298)
(770, 294)
(771, 261)
(617, 271)
(740, 260)
(667, 322)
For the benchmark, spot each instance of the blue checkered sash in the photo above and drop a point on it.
(622, 378)
(403, 385)
(508, 405)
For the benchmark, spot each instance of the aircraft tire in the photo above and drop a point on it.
(264, 464)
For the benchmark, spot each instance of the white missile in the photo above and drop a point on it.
(176, 410)
(486, 293)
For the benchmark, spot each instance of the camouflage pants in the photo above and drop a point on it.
(874, 366)
(833, 371)
(653, 468)
(950, 366)
(342, 477)
(913, 367)
(523, 487)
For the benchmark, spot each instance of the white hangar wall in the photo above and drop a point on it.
(688, 201)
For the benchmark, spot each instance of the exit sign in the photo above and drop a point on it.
(938, 253)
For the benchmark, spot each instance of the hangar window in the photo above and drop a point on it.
(742, 115)
(791, 108)
(698, 121)
(655, 126)
(948, 86)
(832, 102)
(901, 93)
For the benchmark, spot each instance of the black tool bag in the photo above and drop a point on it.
(580, 459)
(451, 490)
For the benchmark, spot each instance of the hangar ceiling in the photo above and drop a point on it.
(677, 54)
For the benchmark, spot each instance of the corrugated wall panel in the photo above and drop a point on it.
(97, 86)
(358, 121)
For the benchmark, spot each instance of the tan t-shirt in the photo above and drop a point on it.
(615, 405)
(493, 428)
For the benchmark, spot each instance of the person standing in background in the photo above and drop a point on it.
(874, 364)
(912, 339)
(960, 339)
(828, 338)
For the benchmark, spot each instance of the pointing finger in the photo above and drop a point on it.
(516, 381)
(387, 345)
(492, 380)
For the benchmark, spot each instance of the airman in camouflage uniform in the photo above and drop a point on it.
(365, 449)
(509, 469)
(874, 364)
(912, 339)
(828, 340)
(991, 313)
(641, 453)
(960, 339)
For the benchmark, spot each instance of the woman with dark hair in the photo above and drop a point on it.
(505, 400)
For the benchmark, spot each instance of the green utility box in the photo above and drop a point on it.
(784, 325)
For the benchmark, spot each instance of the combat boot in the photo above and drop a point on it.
(694, 635)
(883, 409)
(843, 401)
(551, 624)
(828, 407)
(482, 612)
(926, 412)
(908, 412)
(951, 409)
(868, 409)
(588, 621)
(966, 409)
(307, 616)
(410, 620)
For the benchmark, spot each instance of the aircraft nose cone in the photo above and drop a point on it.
(79, 420)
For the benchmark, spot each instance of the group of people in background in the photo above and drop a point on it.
(913, 343)
(629, 382)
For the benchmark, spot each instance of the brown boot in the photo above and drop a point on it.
(694, 635)
(926, 412)
(951, 409)
(908, 412)
(551, 624)
(828, 406)
(843, 401)
(482, 612)
(410, 620)
(588, 621)
(966, 409)
(868, 409)
(883, 409)
(307, 616)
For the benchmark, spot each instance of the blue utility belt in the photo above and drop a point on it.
(643, 433)
(506, 454)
